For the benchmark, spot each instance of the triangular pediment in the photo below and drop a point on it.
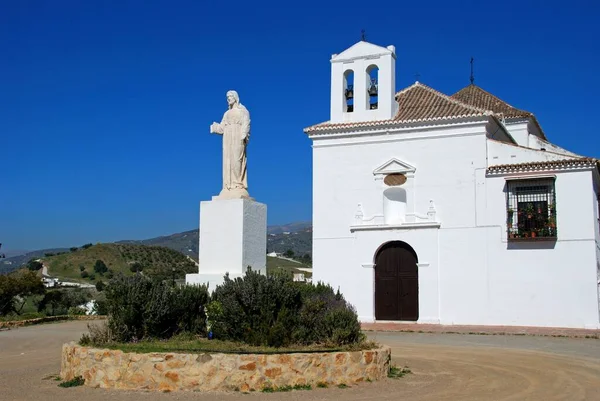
(394, 166)
(361, 49)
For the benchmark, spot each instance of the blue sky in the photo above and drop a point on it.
(105, 106)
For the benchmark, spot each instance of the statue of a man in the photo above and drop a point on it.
(235, 128)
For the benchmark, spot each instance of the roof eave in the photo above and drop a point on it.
(383, 124)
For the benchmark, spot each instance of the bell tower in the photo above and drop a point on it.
(363, 83)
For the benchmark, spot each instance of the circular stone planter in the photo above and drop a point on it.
(217, 371)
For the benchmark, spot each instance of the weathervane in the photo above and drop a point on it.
(363, 35)
(417, 76)
(472, 76)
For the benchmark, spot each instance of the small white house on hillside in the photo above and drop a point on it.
(449, 209)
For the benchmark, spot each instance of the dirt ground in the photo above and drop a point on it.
(444, 366)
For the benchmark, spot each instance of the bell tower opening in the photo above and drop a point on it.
(372, 87)
(363, 84)
(349, 91)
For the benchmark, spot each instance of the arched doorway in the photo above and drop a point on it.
(396, 282)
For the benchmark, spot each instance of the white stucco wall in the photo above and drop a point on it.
(518, 130)
(505, 153)
(343, 177)
(468, 272)
(540, 283)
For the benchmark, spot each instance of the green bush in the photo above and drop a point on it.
(275, 311)
(141, 308)
(76, 311)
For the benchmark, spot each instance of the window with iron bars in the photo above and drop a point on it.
(531, 209)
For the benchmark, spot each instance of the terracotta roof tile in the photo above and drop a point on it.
(420, 102)
(584, 162)
(475, 96)
(416, 103)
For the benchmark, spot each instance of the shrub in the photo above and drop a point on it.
(325, 316)
(254, 309)
(141, 308)
(275, 311)
(98, 334)
(76, 311)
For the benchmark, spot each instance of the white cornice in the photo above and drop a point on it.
(403, 226)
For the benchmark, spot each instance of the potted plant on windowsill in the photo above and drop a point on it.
(509, 217)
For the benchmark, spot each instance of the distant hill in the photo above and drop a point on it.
(294, 236)
(153, 261)
(9, 264)
(290, 228)
(185, 242)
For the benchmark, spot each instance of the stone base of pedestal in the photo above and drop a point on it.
(233, 237)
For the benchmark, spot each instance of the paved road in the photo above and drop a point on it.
(446, 367)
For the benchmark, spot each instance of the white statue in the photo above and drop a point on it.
(235, 128)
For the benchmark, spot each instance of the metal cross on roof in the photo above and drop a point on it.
(363, 35)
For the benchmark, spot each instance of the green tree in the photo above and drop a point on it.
(136, 267)
(53, 299)
(34, 265)
(289, 253)
(14, 289)
(100, 267)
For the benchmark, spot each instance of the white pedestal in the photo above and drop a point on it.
(233, 236)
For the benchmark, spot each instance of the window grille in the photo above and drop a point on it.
(531, 209)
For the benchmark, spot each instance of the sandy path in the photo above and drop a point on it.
(445, 367)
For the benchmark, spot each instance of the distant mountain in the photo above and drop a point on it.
(280, 238)
(9, 264)
(290, 228)
(294, 236)
(14, 252)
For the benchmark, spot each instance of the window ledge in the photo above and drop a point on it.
(521, 239)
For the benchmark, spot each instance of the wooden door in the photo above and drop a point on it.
(396, 283)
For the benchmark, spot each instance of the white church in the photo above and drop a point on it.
(457, 209)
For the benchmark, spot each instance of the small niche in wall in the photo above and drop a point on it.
(393, 180)
(394, 205)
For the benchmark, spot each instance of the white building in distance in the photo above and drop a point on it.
(449, 209)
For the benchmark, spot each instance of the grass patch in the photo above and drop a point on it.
(322, 385)
(54, 377)
(284, 389)
(342, 385)
(77, 381)
(183, 344)
(396, 372)
(302, 387)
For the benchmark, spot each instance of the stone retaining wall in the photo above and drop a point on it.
(47, 319)
(215, 371)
